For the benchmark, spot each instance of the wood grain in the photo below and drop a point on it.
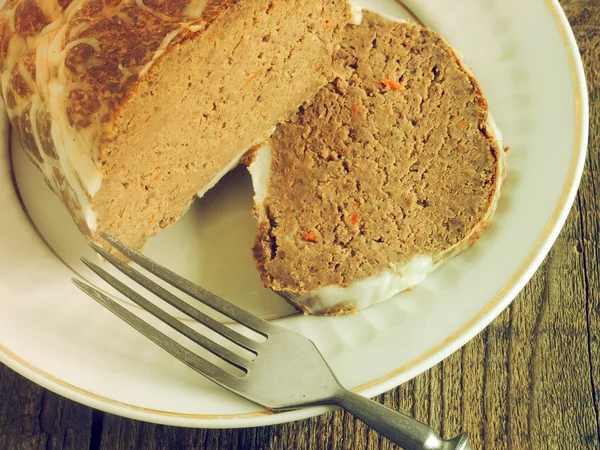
(531, 380)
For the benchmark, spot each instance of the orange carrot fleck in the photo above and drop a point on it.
(354, 219)
(310, 237)
(211, 38)
(355, 110)
(356, 204)
(394, 85)
(253, 77)
(155, 177)
(462, 124)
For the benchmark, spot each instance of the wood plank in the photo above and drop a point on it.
(585, 20)
(34, 418)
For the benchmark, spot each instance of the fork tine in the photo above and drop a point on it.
(233, 312)
(147, 283)
(214, 348)
(192, 360)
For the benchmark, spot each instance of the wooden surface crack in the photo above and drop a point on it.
(534, 373)
(587, 319)
(484, 408)
(41, 412)
(96, 431)
(509, 395)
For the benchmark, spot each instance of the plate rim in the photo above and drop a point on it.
(433, 356)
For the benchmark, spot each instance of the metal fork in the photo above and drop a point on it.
(287, 371)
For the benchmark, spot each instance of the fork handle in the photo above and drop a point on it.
(405, 431)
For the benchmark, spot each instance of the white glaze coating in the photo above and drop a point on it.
(260, 171)
(356, 12)
(370, 291)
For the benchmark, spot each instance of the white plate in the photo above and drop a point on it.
(526, 59)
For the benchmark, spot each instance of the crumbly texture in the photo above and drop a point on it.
(158, 96)
(391, 160)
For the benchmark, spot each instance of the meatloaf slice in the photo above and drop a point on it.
(387, 172)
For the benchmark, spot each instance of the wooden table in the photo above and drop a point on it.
(529, 380)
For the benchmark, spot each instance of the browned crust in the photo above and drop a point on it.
(250, 156)
(128, 37)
